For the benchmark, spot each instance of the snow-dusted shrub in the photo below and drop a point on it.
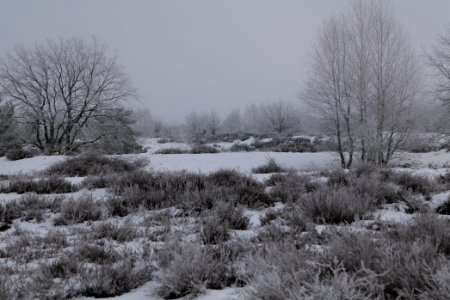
(336, 205)
(437, 283)
(117, 206)
(93, 164)
(114, 280)
(213, 230)
(198, 149)
(27, 247)
(273, 233)
(403, 266)
(117, 232)
(295, 218)
(192, 268)
(96, 253)
(270, 167)
(79, 210)
(50, 185)
(171, 151)
(425, 227)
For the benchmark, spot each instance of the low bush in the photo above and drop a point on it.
(296, 145)
(79, 210)
(415, 183)
(270, 167)
(170, 151)
(117, 232)
(289, 187)
(230, 178)
(402, 267)
(198, 149)
(50, 185)
(228, 213)
(240, 147)
(114, 280)
(19, 153)
(193, 268)
(213, 230)
(336, 205)
(93, 164)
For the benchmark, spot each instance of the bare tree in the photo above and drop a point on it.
(327, 89)
(232, 122)
(60, 86)
(363, 82)
(213, 123)
(439, 61)
(280, 116)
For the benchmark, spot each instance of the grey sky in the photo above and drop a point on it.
(196, 55)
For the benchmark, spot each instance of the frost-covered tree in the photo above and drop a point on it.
(363, 81)
(59, 87)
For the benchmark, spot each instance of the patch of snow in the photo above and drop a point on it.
(439, 199)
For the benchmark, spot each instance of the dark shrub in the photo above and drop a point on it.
(230, 178)
(289, 187)
(415, 183)
(270, 167)
(296, 145)
(338, 177)
(231, 215)
(337, 205)
(239, 147)
(118, 206)
(62, 267)
(93, 164)
(170, 151)
(213, 230)
(198, 149)
(79, 210)
(51, 185)
(444, 208)
(253, 196)
(19, 153)
(97, 254)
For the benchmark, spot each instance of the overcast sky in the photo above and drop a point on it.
(185, 55)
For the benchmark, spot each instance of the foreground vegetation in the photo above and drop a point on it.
(291, 237)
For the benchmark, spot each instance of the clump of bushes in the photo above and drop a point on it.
(198, 149)
(170, 151)
(296, 145)
(19, 153)
(79, 210)
(415, 183)
(93, 164)
(50, 185)
(240, 147)
(289, 187)
(270, 167)
(336, 205)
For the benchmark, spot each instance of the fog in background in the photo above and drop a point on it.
(203, 55)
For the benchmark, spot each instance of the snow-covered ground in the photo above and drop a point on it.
(429, 164)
